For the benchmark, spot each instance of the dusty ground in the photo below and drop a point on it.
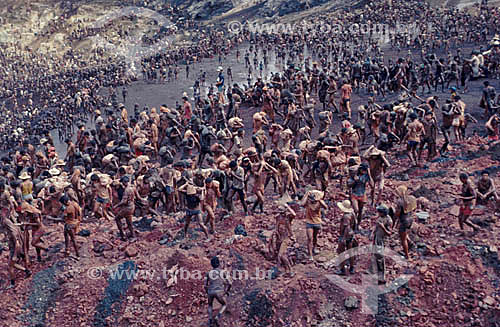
(454, 279)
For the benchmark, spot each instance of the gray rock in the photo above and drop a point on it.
(351, 303)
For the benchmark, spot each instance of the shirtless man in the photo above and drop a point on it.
(72, 217)
(12, 233)
(319, 170)
(347, 238)
(286, 176)
(493, 128)
(325, 121)
(259, 119)
(380, 234)
(217, 285)
(274, 132)
(237, 177)
(126, 208)
(405, 206)
(331, 92)
(210, 202)
(415, 131)
(33, 222)
(447, 111)
(351, 140)
(357, 183)
(103, 197)
(429, 137)
(313, 203)
(467, 196)
(345, 98)
(194, 196)
(169, 176)
(282, 236)
(267, 103)
(260, 172)
(486, 189)
(378, 166)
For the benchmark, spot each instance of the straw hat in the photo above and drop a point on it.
(61, 185)
(401, 190)
(107, 158)
(143, 158)
(316, 195)
(104, 179)
(350, 130)
(54, 171)
(24, 175)
(43, 140)
(373, 151)
(345, 206)
(60, 162)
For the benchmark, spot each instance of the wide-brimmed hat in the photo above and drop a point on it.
(316, 195)
(373, 151)
(54, 172)
(219, 69)
(24, 175)
(43, 140)
(60, 162)
(61, 185)
(345, 206)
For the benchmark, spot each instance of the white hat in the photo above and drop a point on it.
(54, 171)
(345, 206)
(24, 175)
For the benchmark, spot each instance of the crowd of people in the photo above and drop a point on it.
(198, 158)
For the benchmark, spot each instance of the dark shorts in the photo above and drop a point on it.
(12, 248)
(101, 200)
(70, 227)
(215, 293)
(153, 199)
(313, 226)
(190, 212)
(412, 144)
(405, 224)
